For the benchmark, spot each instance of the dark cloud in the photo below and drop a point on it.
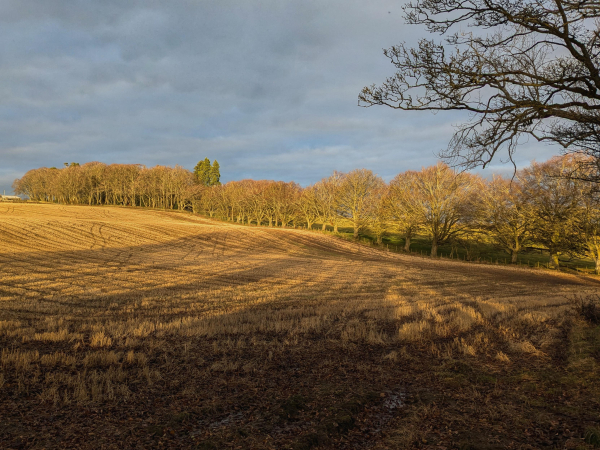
(269, 88)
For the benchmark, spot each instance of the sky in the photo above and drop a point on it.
(267, 88)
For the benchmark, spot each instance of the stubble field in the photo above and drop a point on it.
(129, 328)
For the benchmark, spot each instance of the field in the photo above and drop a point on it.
(130, 328)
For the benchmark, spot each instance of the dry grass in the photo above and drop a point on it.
(123, 309)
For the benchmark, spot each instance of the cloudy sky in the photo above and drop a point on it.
(268, 88)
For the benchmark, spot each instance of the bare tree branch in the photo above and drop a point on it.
(526, 68)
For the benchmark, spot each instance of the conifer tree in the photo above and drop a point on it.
(202, 171)
(215, 174)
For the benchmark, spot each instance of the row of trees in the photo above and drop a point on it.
(542, 206)
(96, 183)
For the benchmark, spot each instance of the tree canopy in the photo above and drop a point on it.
(214, 178)
(208, 175)
(202, 172)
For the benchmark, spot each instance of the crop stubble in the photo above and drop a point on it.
(143, 327)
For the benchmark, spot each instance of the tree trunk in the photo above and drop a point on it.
(407, 244)
(309, 224)
(379, 239)
(554, 260)
(324, 227)
(355, 230)
(513, 258)
(597, 260)
(434, 248)
(335, 228)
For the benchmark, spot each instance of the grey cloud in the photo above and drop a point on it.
(269, 88)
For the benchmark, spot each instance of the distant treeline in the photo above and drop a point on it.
(544, 205)
(115, 184)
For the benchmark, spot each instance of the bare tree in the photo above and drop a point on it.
(377, 216)
(284, 199)
(308, 207)
(442, 202)
(35, 184)
(555, 200)
(255, 201)
(589, 226)
(397, 204)
(327, 193)
(234, 198)
(520, 68)
(358, 195)
(210, 200)
(506, 215)
(92, 180)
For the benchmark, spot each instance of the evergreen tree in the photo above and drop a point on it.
(202, 171)
(215, 174)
